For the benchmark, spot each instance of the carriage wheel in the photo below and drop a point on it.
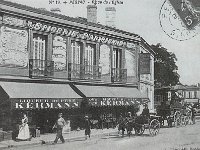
(139, 130)
(154, 127)
(177, 119)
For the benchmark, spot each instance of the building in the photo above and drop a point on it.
(184, 94)
(51, 63)
(192, 94)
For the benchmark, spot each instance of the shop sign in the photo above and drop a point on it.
(115, 101)
(37, 103)
(76, 34)
(144, 63)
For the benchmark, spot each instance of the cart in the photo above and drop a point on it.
(142, 123)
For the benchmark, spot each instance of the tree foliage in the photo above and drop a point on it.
(165, 68)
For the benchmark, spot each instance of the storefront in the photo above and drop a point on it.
(106, 103)
(54, 63)
(41, 102)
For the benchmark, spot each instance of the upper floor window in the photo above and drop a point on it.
(119, 74)
(117, 58)
(39, 47)
(76, 52)
(38, 64)
(90, 55)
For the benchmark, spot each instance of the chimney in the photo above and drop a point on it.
(92, 13)
(55, 10)
(110, 16)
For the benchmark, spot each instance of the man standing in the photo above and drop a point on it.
(87, 127)
(60, 123)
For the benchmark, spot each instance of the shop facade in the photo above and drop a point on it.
(54, 63)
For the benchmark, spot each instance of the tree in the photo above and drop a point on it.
(165, 68)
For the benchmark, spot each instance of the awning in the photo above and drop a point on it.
(40, 95)
(112, 96)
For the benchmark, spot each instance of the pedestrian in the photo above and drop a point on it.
(121, 124)
(87, 127)
(60, 123)
(146, 114)
(24, 133)
(193, 110)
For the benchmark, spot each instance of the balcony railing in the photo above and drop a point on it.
(78, 71)
(41, 68)
(119, 75)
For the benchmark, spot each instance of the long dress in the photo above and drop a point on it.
(24, 133)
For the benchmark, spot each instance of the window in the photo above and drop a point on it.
(117, 57)
(195, 94)
(75, 63)
(39, 51)
(76, 48)
(39, 43)
(89, 60)
(119, 74)
(90, 55)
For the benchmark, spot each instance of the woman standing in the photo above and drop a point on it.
(24, 133)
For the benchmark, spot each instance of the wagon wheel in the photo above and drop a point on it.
(177, 119)
(154, 127)
(139, 130)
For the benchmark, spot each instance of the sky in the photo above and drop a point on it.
(140, 17)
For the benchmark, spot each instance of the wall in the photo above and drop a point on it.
(147, 80)
(14, 55)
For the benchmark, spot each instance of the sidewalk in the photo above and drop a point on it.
(73, 135)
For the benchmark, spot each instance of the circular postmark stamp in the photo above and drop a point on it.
(172, 24)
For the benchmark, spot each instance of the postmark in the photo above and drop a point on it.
(188, 11)
(172, 24)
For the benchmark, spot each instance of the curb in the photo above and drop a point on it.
(51, 141)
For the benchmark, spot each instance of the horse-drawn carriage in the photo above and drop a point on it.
(139, 124)
(176, 114)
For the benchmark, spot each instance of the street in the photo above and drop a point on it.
(182, 138)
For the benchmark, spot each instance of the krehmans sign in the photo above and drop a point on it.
(116, 101)
(37, 103)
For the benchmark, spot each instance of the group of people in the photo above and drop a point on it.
(60, 123)
(126, 122)
(24, 133)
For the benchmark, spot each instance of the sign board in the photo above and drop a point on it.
(144, 64)
(45, 103)
(116, 101)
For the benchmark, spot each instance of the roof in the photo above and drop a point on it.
(178, 87)
(64, 17)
